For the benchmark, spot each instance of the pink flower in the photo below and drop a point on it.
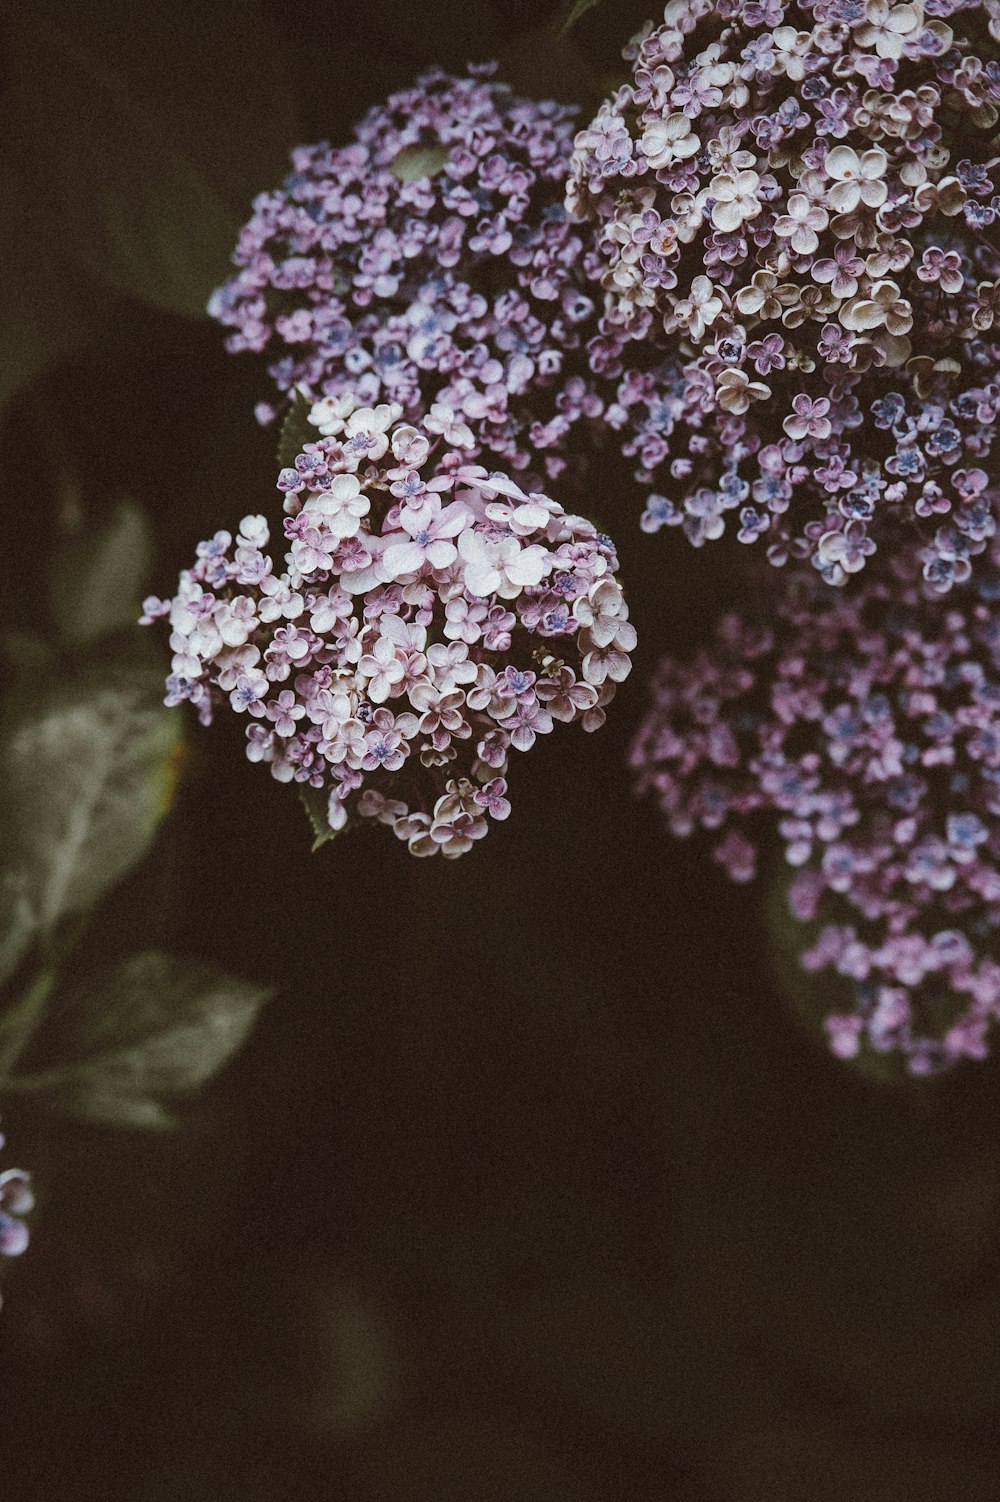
(528, 720)
(491, 797)
(284, 711)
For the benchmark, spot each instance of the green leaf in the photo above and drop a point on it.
(27, 653)
(129, 1112)
(22, 1019)
(315, 804)
(296, 431)
(97, 577)
(145, 134)
(156, 1028)
(17, 923)
(415, 162)
(577, 10)
(86, 767)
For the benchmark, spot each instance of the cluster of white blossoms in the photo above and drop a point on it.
(429, 619)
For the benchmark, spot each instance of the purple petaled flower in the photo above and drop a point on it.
(413, 642)
(491, 797)
(815, 178)
(16, 1201)
(459, 288)
(863, 731)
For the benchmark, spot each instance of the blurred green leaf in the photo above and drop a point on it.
(575, 12)
(315, 804)
(811, 997)
(414, 162)
(148, 184)
(25, 652)
(17, 924)
(86, 770)
(20, 1020)
(296, 431)
(156, 1028)
(547, 64)
(97, 576)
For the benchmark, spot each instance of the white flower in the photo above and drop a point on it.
(884, 305)
(501, 568)
(700, 310)
(236, 626)
(800, 224)
(889, 28)
(612, 661)
(327, 609)
(429, 541)
(367, 429)
(670, 140)
(254, 532)
(279, 599)
(446, 421)
(383, 668)
(234, 662)
(330, 414)
(341, 507)
(735, 391)
(857, 179)
(533, 514)
(727, 153)
(790, 48)
(409, 446)
(602, 610)
(735, 199)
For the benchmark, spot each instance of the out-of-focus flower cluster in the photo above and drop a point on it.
(428, 619)
(796, 204)
(460, 287)
(16, 1200)
(865, 731)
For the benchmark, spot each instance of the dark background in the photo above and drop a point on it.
(530, 1183)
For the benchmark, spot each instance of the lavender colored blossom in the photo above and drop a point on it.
(863, 730)
(429, 618)
(796, 205)
(459, 290)
(16, 1201)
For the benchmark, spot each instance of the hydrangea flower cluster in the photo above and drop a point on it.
(797, 203)
(429, 619)
(430, 262)
(16, 1200)
(864, 730)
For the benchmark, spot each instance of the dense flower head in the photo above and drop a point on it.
(427, 619)
(798, 205)
(429, 261)
(862, 729)
(16, 1200)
